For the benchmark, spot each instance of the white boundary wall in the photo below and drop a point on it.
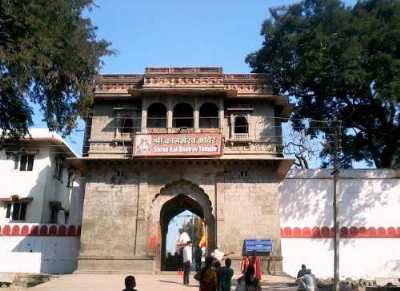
(38, 252)
(369, 208)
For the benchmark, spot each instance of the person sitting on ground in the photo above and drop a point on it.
(130, 284)
(302, 271)
(225, 275)
(308, 282)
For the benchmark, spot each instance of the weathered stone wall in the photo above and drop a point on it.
(261, 121)
(123, 202)
(103, 122)
(250, 209)
(110, 211)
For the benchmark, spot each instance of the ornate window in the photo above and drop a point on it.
(241, 125)
(157, 116)
(209, 116)
(183, 116)
(124, 122)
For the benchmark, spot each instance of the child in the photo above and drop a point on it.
(225, 275)
(130, 284)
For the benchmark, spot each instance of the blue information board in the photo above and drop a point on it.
(262, 247)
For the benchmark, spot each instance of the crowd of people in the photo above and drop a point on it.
(212, 276)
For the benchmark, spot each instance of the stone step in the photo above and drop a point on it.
(30, 280)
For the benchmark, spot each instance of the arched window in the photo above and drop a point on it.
(157, 116)
(209, 116)
(241, 125)
(183, 115)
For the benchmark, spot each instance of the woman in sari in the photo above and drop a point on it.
(254, 261)
(252, 282)
(208, 276)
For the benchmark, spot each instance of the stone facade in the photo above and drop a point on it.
(129, 200)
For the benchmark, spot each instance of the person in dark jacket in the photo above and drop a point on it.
(130, 284)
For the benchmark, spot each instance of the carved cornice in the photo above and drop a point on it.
(184, 70)
(184, 78)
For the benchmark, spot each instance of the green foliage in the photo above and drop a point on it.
(49, 56)
(339, 63)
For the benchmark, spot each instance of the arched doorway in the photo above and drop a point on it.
(173, 199)
(171, 209)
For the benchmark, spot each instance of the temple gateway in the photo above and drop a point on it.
(175, 139)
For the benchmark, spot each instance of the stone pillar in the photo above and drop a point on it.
(221, 114)
(232, 128)
(141, 232)
(196, 116)
(248, 126)
(144, 120)
(220, 198)
(169, 116)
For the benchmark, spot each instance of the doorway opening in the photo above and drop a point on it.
(180, 215)
(182, 228)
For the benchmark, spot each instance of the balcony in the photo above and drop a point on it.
(228, 143)
(240, 137)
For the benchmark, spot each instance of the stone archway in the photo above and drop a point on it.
(173, 199)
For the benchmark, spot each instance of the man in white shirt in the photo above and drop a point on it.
(187, 262)
(218, 255)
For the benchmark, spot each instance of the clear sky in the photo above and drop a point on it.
(147, 33)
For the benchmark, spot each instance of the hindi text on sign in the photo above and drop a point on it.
(179, 144)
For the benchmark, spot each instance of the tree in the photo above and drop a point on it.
(301, 147)
(339, 63)
(49, 55)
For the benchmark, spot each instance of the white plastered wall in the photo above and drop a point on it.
(38, 254)
(368, 198)
(25, 183)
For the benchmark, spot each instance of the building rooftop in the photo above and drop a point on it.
(188, 81)
(45, 135)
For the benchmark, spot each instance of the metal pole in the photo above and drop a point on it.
(336, 225)
(336, 239)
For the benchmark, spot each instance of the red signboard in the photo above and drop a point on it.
(177, 144)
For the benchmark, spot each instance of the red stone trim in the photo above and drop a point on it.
(39, 230)
(345, 232)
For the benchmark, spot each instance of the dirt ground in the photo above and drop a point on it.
(114, 282)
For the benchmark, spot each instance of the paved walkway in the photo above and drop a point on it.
(91, 282)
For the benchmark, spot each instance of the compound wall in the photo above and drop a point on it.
(38, 248)
(369, 203)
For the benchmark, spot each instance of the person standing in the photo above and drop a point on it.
(251, 281)
(187, 262)
(207, 276)
(197, 258)
(130, 283)
(225, 275)
(253, 261)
